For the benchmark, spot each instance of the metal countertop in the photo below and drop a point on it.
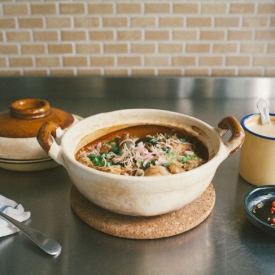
(225, 243)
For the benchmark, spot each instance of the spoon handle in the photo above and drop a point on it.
(46, 243)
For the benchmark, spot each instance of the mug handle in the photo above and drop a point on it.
(237, 133)
(46, 138)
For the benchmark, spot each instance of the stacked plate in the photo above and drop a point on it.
(28, 165)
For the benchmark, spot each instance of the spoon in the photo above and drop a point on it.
(46, 243)
(263, 107)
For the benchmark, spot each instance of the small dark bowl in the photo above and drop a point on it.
(264, 194)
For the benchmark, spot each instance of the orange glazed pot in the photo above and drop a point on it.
(20, 125)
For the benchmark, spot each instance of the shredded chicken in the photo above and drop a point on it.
(157, 155)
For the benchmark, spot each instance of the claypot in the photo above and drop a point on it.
(140, 196)
(19, 128)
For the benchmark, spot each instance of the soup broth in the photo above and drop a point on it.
(144, 150)
(262, 129)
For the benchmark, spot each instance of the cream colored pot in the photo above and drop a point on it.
(139, 196)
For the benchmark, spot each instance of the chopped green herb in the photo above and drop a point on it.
(148, 164)
(167, 164)
(98, 161)
(91, 156)
(154, 139)
(140, 173)
(127, 144)
(115, 149)
(184, 159)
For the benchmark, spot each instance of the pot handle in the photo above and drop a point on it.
(237, 133)
(46, 138)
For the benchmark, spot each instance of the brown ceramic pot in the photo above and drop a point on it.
(20, 125)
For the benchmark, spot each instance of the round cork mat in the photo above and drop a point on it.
(133, 227)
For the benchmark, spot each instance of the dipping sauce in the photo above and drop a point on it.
(262, 129)
(265, 212)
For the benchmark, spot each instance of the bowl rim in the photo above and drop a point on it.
(248, 211)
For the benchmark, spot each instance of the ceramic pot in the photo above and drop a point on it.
(20, 125)
(140, 196)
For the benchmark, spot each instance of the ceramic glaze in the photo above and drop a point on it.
(140, 196)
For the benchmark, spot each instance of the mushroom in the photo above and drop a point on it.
(181, 147)
(156, 171)
(124, 137)
(175, 168)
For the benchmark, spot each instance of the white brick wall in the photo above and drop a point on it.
(209, 38)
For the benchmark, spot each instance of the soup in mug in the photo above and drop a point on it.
(267, 130)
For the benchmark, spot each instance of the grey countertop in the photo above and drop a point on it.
(225, 243)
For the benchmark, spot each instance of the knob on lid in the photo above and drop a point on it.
(30, 108)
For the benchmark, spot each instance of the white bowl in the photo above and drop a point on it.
(139, 196)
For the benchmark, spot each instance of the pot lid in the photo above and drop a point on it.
(26, 116)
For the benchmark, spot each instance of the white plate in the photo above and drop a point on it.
(28, 165)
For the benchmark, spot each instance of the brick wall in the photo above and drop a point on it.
(187, 37)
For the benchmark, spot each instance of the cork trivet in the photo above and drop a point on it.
(133, 227)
